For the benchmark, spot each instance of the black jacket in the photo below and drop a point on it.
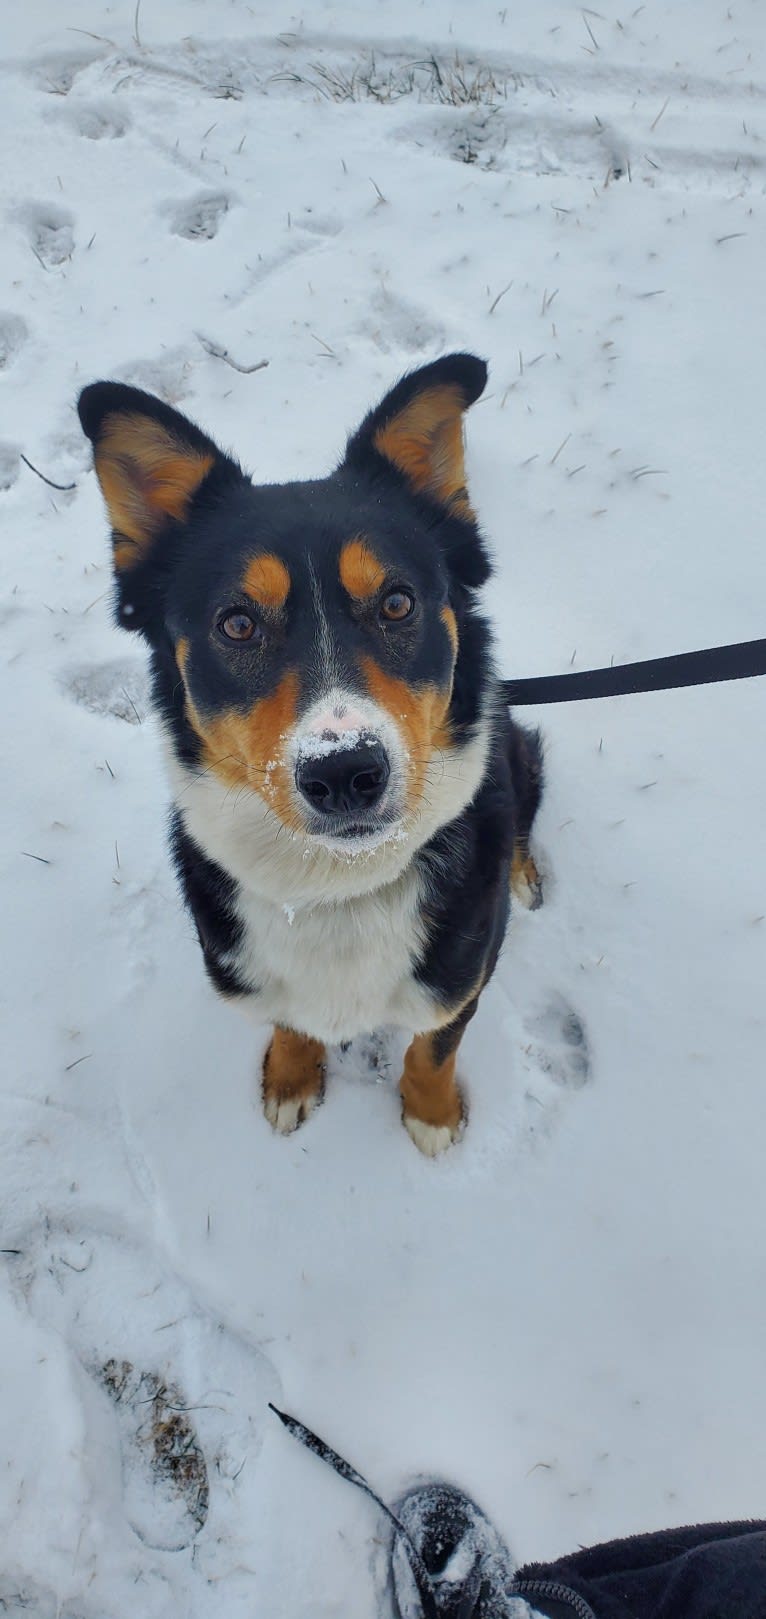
(710, 1571)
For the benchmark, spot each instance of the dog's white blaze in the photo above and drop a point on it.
(335, 716)
(325, 650)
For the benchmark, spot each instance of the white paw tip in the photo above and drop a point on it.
(430, 1139)
(287, 1114)
(529, 894)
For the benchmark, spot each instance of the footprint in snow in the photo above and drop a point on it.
(50, 231)
(188, 1397)
(396, 325)
(57, 74)
(119, 689)
(477, 137)
(369, 1056)
(23, 1596)
(199, 218)
(13, 335)
(157, 1432)
(167, 374)
(99, 121)
(318, 224)
(558, 1043)
(10, 465)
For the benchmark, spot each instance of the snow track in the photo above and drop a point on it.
(175, 1404)
(508, 112)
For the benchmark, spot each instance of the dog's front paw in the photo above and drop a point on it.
(432, 1107)
(288, 1113)
(526, 882)
(293, 1076)
(430, 1139)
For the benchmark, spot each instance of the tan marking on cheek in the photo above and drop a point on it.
(361, 573)
(420, 714)
(267, 581)
(248, 749)
(147, 477)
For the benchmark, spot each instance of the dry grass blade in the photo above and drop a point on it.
(495, 301)
(663, 108)
(455, 84)
(39, 474)
(216, 352)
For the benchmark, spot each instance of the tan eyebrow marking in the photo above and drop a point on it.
(361, 572)
(267, 581)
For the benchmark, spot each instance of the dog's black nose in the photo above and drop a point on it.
(344, 779)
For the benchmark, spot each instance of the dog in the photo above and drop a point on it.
(352, 800)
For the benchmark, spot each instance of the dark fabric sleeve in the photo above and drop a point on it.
(710, 1571)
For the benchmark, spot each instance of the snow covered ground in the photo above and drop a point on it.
(567, 1314)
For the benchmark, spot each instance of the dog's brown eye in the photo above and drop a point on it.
(398, 604)
(237, 626)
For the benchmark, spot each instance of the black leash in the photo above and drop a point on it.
(739, 662)
(325, 1452)
(521, 1585)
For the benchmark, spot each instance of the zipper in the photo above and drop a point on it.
(557, 1593)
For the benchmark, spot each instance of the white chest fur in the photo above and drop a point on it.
(336, 969)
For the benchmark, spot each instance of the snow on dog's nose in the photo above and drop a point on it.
(348, 764)
(340, 779)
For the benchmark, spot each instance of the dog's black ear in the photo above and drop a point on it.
(150, 462)
(418, 429)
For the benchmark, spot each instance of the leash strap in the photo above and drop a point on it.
(345, 1470)
(741, 661)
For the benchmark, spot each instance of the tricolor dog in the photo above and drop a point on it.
(352, 799)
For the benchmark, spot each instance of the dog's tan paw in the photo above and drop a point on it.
(526, 882)
(288, 1113)
(430, 1139)
(293, 1077)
